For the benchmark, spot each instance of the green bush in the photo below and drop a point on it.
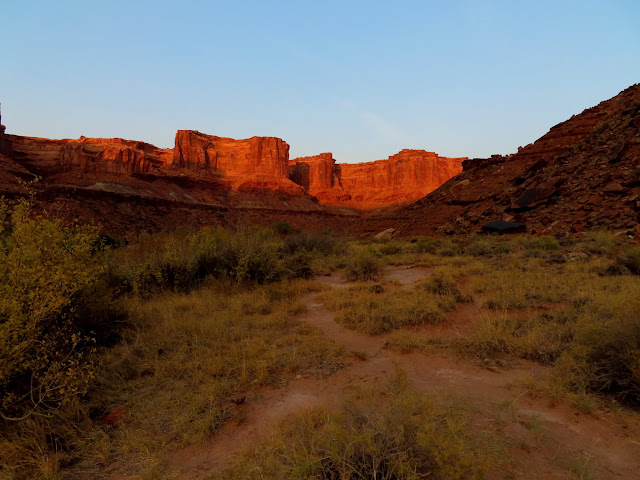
(391, 248)
(181, 262)
(45, 271)
(424, 245)
(317, 243)
(363, 266)
(282, 228)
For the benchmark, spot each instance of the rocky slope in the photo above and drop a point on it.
(583, 174)
(402, 178)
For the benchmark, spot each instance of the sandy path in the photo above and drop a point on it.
(562, 439)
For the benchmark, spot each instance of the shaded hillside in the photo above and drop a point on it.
(583, 174)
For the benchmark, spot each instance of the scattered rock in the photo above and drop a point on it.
(388, 233)
(115, 415)
(534, 197)
(614, 187)
(576, 257)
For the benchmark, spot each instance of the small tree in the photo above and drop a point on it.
(44, 269)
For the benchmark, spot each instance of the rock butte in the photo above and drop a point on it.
(583, 174)
(404, 177)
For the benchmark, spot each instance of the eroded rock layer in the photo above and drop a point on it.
(404, 177)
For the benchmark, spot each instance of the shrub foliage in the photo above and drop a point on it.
(45, 268)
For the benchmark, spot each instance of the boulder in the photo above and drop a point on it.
(501, 227)
(534, 197)
(614, 187)
(388, 233)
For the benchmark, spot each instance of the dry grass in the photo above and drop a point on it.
(174, 375)
(376, 309)
(552, 302)
(396, 434)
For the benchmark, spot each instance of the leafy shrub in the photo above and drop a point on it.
(424, 245)
(604, 356)
(282, 228)
(180, 262)
(45, 269)
(299, 265)
(317, 243)
(391, 248)
(363, 266)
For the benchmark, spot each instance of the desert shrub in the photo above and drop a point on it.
(630, 259)
(445, 286)
(487, 245)
(447, 248)
(253, 255)
(440, 285)
(424, 245)
(181, 262)
(625, 262)
(544, 243)
(542, 339)
(299, 265)
(399, 435)
(318, 243)
(363, 265)
(45, 271)
(282, 228)
(391, 248)
(605, 354)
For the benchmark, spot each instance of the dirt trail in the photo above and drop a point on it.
(551, 439)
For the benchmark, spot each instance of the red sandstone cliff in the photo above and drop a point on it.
(267, 156)
(403, 178)
(129, 185)
(252, 164)
(87, 155)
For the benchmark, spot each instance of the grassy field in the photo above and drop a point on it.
(571, 304)
(137, 350)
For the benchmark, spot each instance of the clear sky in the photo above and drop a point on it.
(361, 79)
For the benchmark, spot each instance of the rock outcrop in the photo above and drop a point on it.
(402, 178)
(87, 156)
(266, 156)
(583, 174)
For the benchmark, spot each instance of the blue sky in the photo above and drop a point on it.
(361, 79)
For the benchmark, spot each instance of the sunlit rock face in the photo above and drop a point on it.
(402, 178)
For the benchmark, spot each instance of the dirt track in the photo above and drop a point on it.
(563, 441)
